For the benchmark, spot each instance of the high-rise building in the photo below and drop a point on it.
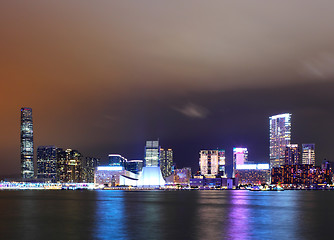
(69, 165)
(308, 154)
(280, 137)
(166, 162)
(152, 154)
(117, 160)
(240, 157)
(292, 154)
(212, 162)
(89, 165)
(27, 144)
(47, 162)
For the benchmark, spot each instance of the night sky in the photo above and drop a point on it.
(105, 76)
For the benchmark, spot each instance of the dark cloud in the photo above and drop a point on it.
(102, 76)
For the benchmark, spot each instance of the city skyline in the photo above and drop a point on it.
(109, 76)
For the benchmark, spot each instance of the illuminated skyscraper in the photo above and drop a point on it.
(308, 154)
(292, 154)
(212, 162)
(152, 154)
(280, 137)
(47, 162)
(166, 162)
(240, 157)
(27, 144)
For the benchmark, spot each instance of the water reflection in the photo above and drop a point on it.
(109, 215)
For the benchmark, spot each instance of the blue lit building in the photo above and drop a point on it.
(134, 166)
(152, 154)
(117, 160)
(27, 143)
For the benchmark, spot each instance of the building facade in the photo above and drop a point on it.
(240, 157)
(117, 160)
(253, 174)
(152, 154)
(212, 162)
(134, 166)
(300, 175)
(308, 153)
(280, 137)
(166, 162)
(47, 162)
(27, 143)
(292, 154)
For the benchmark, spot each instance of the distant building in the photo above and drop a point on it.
(134, 166)
(280, 137)
(210, 182)
(117, 160)
(27, 143)
(113, 176)
(212, 162)
(254, 174)
(308, 153)
(292, 154)
(302, 174)
(152, 154)
(89, 165)
(69, 165)
(166, 162)
(240, 157)
(47, 162)
(182, 176)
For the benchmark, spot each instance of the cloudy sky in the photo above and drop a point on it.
(105, 76)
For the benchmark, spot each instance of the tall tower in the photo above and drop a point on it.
(280, 137)
(152, 154)
(27, 144)
(308, 155)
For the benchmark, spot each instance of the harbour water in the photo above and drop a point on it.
(235, 214)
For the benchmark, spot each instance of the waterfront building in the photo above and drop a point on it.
(166, 162)
(292, 154)
(280, 137)
(113, 176)
(47, 162)
(117, 160)
(152, 154)
(89, 165)
(240, 157)
(134, 166)
(308, 153)
(69, 165)
(182, 176)
(210, 182)
(300, 175)
(27, 143)
(254, 174)
(212, 162)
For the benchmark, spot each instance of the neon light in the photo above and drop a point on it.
(264, 166)
(110, 168)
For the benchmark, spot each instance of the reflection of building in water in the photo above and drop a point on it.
(255, 174)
